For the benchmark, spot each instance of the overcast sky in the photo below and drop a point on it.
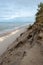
(10, 9)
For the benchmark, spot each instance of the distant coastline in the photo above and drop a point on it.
(8, 31)
(12, 25)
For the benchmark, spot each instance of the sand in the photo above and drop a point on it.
(8, 39)
(27, 49)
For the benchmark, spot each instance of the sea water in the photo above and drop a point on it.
(8, 26)
(11, 25)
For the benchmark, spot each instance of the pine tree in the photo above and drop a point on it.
(39, 15)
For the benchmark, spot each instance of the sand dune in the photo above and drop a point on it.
(27, 49)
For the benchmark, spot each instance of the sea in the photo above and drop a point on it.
(8, 26)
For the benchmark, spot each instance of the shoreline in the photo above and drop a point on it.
(6, 32)
(7, 40)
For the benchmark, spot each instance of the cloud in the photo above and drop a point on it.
(10, 9)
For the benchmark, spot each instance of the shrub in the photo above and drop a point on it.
(30, 27)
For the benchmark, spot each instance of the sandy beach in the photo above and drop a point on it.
(22, 47)
(9, 38)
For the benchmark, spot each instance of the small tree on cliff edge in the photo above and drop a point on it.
(39, 14)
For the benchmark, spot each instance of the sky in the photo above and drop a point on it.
(11, 9)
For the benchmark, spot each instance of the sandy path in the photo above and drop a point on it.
(5, 41)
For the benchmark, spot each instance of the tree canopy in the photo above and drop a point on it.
(39, 14)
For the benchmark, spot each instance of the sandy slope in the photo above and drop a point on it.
(27, 49)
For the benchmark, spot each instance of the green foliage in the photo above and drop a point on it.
(40, 9)
(40, 5)
(39, 14)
